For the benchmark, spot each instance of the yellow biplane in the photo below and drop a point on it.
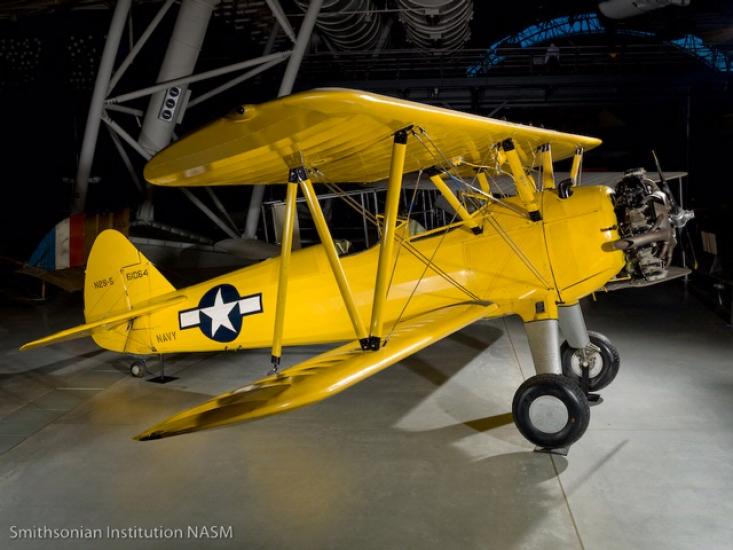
(534, 253)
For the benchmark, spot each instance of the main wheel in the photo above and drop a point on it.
(551, 411)
(603, 365)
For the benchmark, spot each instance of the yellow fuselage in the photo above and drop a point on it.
(525, 267)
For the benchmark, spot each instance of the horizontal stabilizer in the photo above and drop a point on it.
(321, 376)
(86, 329)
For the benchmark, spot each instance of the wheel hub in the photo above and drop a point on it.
(593, 359)
(548, 414)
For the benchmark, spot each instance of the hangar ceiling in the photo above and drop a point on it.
(627, 78)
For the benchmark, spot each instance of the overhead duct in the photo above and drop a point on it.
(437, 23)
(347, 24)
(621, 9)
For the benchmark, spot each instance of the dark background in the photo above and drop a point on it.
(637, 94)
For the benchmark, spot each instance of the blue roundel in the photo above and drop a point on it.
(219, 315)
(220, 312)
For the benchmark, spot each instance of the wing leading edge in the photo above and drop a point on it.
(322, 376)
(341, 136)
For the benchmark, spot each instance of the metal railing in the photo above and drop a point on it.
(405, 63)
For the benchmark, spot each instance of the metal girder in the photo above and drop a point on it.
(304, 37)
(221, 208)
(96, 106)
(127, 137)
(233, 82)
(139, 45)
(124, 109)
(209, 213)
(179, 61)
(198, 77)
(126, 159)
(286, 87)
(279, 14)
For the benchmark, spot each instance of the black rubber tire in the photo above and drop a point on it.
(137, 369)
(566, 391)
(609, 355)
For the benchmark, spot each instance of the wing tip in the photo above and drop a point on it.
(149, 436)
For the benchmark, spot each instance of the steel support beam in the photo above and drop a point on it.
(286, 87)
(96, 107)
(221, 208)
(126, 160)
(179, 61)
(139, 45)
(127, 137)
(301, 44)
(386, 248)
(279, 14)
(160, 86)
(123, 109)
(238, 80)
(209, 213)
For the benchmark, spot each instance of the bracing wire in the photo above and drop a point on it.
(492, 220)
(419, 280)
(371, 218)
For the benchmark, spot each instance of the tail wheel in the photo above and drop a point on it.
(602, 365)
(551, 411)
(137, 369)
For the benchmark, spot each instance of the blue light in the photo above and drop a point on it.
(589, 23)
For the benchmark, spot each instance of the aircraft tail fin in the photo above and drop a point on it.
(119, 278)
(121, 285)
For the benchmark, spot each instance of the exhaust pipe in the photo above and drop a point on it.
(643, 239)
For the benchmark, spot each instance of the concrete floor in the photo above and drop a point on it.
(423, 455)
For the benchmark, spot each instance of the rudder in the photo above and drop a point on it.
(119, 278)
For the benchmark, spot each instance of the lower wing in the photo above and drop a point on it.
(322, 376)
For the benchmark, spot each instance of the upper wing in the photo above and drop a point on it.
(341, 136)
(321, 376)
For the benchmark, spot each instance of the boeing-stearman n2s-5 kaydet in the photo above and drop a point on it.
(533, 252)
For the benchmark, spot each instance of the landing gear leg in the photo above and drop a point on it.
(588, 357)
(549, 410)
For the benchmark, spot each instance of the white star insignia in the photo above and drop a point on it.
(219, 313)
